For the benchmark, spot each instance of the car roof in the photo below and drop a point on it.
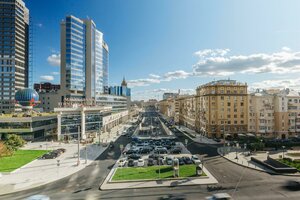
(222, 195)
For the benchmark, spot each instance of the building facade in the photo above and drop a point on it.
(187, 111)
(30, 127)
(222, 108)
(274, 113)
(84, 60)
(13, 51)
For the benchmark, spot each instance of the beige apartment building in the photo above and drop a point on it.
(222, 108)
(187, 111)
(274, 113)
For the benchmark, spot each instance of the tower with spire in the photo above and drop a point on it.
(124, 83)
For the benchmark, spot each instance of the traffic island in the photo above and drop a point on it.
(153, 173)
(156, 176)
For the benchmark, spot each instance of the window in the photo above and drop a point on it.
(228, 104)
(222, 97)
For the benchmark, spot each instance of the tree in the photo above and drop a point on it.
(14, 142)
(3, 150)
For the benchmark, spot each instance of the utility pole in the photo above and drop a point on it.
(78, 138)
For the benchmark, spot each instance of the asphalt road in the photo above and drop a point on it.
(240, 182)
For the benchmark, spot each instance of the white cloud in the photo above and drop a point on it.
(282, 62)
(47, 78)
(277, 84)
(54, 60)
(154, 76)
(179, 74)
(218, 63)
(157, 93)
(55, 73)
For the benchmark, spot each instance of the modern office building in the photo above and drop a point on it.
(14, 37)
(122, 90)
(222, 108)
(84, 59)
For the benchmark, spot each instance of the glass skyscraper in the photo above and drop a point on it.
(84, 59)
(14, 38)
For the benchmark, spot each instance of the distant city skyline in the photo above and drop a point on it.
(163, 46)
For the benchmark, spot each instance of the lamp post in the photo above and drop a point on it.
(78, 147)
(283, 147)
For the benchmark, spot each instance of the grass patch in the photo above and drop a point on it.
(295, 163)
(20, 158)
(152, 172)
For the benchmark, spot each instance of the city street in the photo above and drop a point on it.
(240, 182)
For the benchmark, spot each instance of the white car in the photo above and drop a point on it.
(122, 162)
(195, 159)
(141, 163)
(219, 196)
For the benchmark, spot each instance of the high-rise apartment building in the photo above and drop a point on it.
(14, 37)
(84, 59)
(222, 108)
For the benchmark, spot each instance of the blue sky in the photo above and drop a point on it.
(166, 45)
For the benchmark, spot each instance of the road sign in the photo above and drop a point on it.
(186, 141)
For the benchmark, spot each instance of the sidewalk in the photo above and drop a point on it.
(241, 159)
(40, 172)
(245, 160)
(196, 137)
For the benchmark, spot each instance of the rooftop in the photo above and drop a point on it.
(23, 114)
(224, 82)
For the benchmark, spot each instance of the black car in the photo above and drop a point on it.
(180, 161)
(150, 162)
(175, 150)
(131, 151)
(134, 156)
(144, 151)
(49, 156)
(173, 197)
(187, 160)
(292, 185)
(62, 150)
(160, 151)
(130, 163)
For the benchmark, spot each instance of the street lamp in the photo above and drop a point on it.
(78, 138)
(283, 147)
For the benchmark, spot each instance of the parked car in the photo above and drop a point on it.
(180, 161)
(195, 159)
(169, 161)
(130, 163)
(219, 196)
(161, 151)
(131, 151)
(144, 151)
(141, 162)
(49, 155)
(187, 160)
(122, 162)
(134, 156)
(175, 150)
(62, 150)
(150, 162)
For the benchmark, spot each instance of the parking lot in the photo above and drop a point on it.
(151, 146)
